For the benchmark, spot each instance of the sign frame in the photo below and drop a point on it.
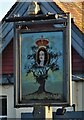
(18, 30)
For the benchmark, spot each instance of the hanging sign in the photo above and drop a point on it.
(41, 67)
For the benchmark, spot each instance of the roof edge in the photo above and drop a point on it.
(8, 13)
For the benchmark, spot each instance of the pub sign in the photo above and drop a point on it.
(41, 67)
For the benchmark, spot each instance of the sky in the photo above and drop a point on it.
(5, 6)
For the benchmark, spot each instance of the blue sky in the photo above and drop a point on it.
(5, 6)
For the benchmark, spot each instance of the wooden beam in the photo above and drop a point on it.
(32, 17)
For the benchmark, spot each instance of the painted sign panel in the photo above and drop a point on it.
(42, 66)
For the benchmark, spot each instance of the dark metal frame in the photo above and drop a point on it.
(35, 17)
(17, 90)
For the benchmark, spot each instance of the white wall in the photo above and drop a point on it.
(74, 94)
(8, 90)
(78, 95)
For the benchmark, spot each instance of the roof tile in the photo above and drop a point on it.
(77, 12)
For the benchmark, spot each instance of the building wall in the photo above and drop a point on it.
(7, 59)
(8, 90)
(80, 94)
(77, 62)
(77, 95)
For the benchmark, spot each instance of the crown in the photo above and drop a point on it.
(42, 42)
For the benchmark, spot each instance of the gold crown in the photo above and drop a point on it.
(42, 42)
